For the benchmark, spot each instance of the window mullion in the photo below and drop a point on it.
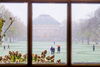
(69, 34)
(30, 33)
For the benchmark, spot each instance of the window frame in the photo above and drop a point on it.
(4, 1)
(69, 30)
(56, 2)
(84, 2)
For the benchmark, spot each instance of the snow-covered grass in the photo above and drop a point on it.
(83, 53)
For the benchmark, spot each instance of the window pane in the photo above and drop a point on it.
(13, 33)
(49, 33)
(86, 33)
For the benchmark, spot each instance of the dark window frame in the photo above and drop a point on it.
(69, 31)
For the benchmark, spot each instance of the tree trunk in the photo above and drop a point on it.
(13, 39)
(10, 40)
(88, 41)
(82, 41)
(96, 42)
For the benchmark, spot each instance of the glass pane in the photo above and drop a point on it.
(13, 33)
(49, 33)
(86, 33)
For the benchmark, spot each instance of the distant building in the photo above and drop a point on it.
(46, 28)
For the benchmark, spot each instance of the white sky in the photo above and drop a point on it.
(17, 9)
(57, 11)
(83, 11)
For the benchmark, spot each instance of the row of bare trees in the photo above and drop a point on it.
(88, 30)
(17, 31)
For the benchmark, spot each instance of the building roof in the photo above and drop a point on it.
(45, 20)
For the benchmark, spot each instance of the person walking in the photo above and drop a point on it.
(58, 48)
(51, 50)
(4, 46)
(93, 47)
(8, 46)
(54, 42)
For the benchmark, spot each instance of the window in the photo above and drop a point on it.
(49, 33)
(85, 33)
(73, 55)
(13, 32)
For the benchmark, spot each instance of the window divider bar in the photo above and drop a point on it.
(69, 43)
(29, 34)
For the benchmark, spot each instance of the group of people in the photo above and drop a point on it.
(52, 49)
(6, 46)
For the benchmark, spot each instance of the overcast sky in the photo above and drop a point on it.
(57, 11)
(17, 9)
(83, 11)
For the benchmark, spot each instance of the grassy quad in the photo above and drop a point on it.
(83, 53)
